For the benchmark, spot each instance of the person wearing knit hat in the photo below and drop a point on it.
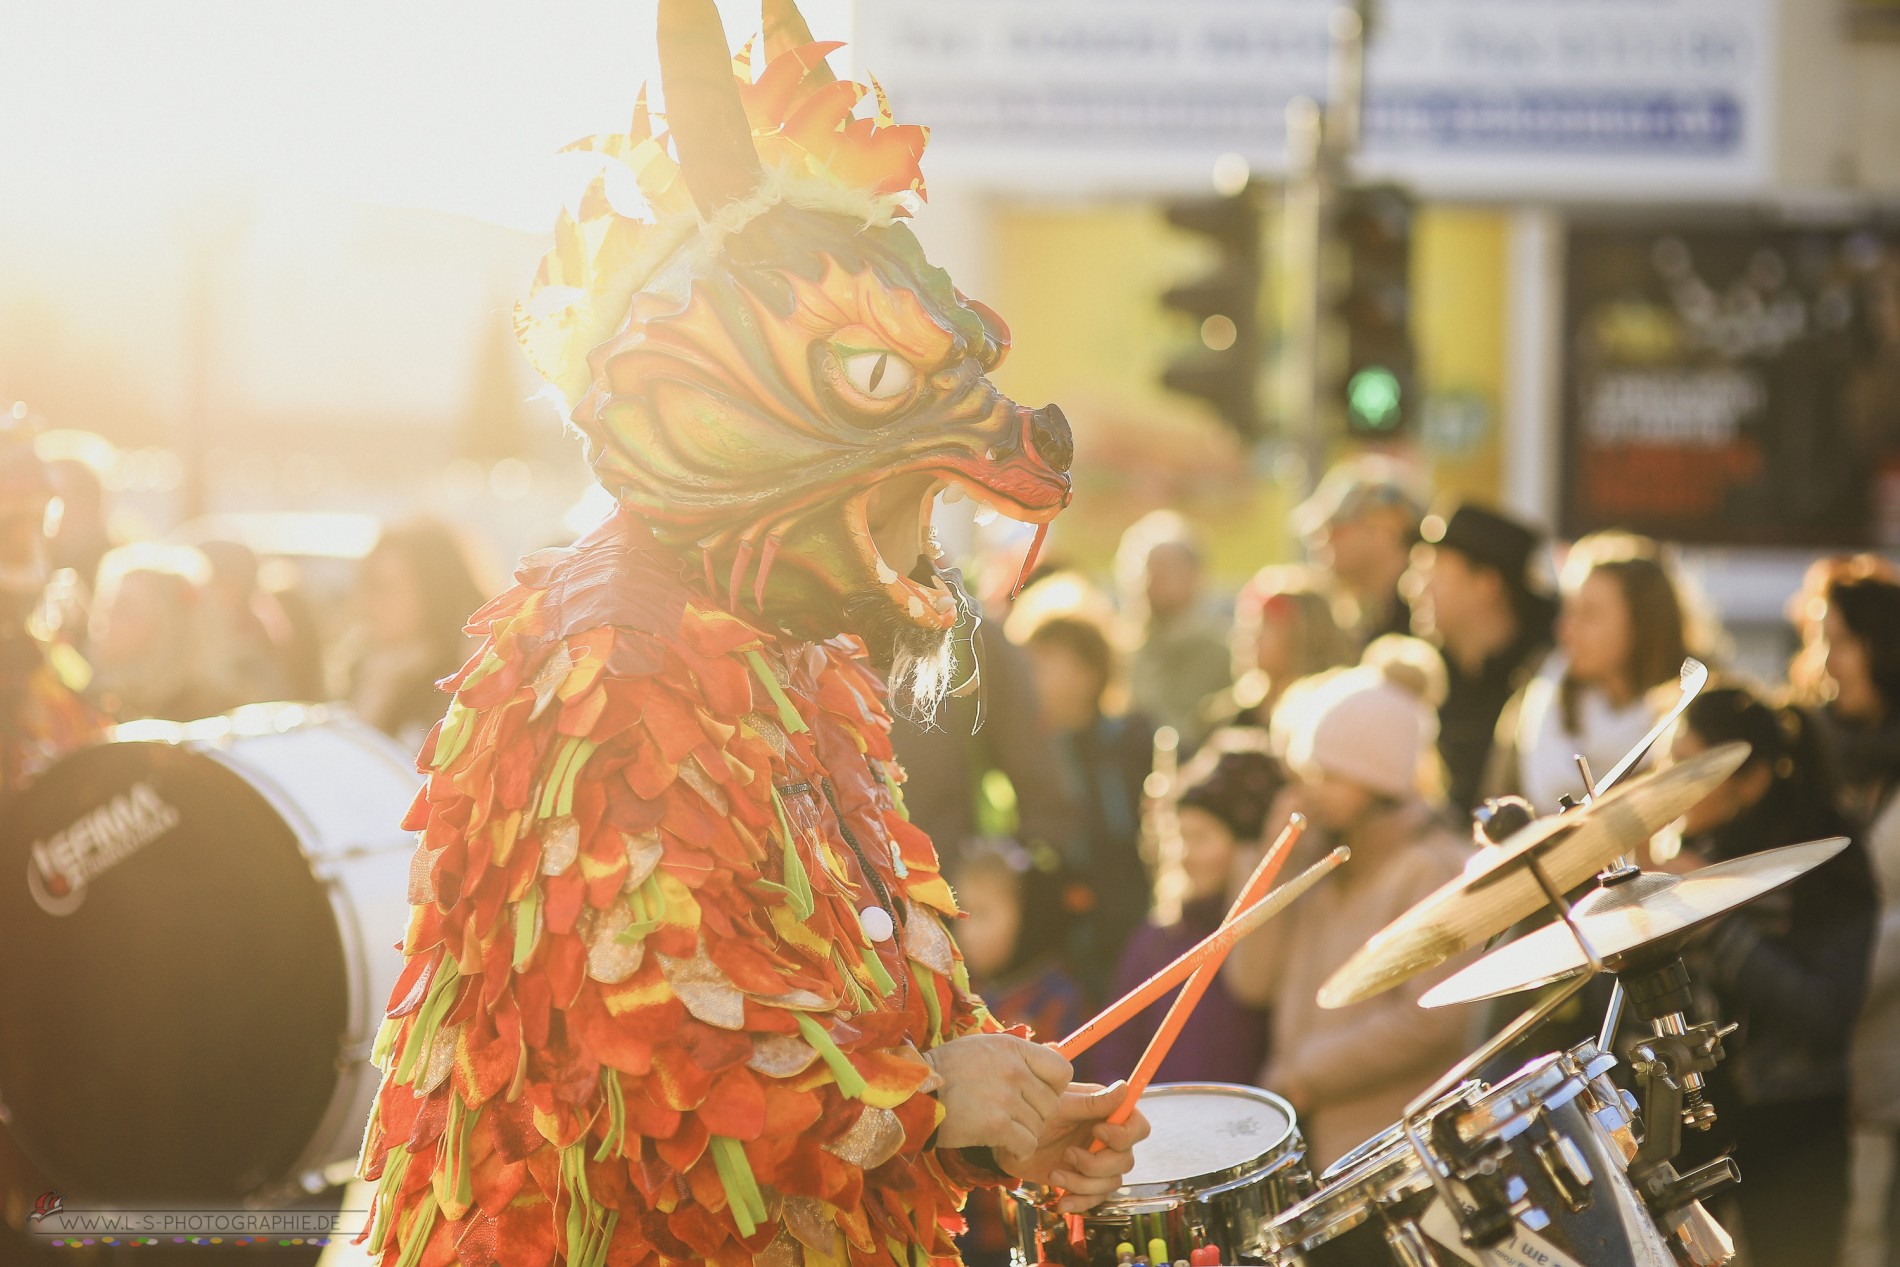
(1228, 798)
(1359, 744)
(1483, 597)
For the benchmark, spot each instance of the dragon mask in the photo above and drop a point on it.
(765, 368)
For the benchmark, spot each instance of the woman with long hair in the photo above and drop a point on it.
(1621, 633)
(1858, 646)
(414, 593)
(1789, 968)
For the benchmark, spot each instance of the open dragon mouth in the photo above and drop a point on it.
(906, 556)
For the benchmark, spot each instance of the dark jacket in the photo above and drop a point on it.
(1791, 966)
(1223, 1041)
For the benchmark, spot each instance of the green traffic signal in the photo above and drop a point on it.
(1374, 397)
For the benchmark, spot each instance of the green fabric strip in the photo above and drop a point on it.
(797, 880)
(557, 775)
(395, 1166)
(525, 911)
(616, 1115)
(875, 966)
(787, 715)
(416, 1236)
(850, 1082)
(897, 797)
(429, 1018)
(859, 995)
(583, 752)
(927, 985)
(743, 1197)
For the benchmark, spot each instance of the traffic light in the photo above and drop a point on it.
(1377, 385)
(1223, 366)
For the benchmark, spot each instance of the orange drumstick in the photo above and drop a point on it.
(1256, 887)
(1218, 942)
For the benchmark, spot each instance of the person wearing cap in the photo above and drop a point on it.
(1359, 743)
(1180, 655)
(42, 714)
(1481, 598)
(1360, 524)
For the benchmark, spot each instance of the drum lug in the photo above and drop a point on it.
(1408, 1245)
(1565, 1166)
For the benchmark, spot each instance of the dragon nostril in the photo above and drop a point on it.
(1049, 431)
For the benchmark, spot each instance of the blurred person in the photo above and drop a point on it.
(80, 539)
(1105, 757)
(1013, 937)
(1790, 968)
(148, 641)
(300, 648)
(1859, 645)
(1360, 525)
(947, 761)
(43, 714)
(244, 628)
(1359, 744)
(416, 589)
(1181, 654)
(1622, 633)
(1227, 794)
(1284, 630)
(1479, 598)
(1808, 682)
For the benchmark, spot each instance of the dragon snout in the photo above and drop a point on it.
(1049, 433)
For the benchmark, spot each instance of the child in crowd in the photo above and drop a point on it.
(1229, 791)
(1012, 936)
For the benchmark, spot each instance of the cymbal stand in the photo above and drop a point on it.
(1489, 1223)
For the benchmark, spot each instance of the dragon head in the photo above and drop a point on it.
(765, 367)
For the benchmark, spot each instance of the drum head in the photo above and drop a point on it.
(1204, 1132)
(172, 981)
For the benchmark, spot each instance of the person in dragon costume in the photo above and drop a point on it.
(678, 983)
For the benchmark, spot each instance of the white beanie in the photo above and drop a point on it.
(1368, 725)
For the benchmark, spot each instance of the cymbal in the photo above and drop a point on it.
(1619, 919)
(1497, 888)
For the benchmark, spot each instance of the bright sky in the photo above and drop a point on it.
(117, 110)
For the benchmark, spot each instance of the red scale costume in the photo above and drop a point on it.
(675, 951)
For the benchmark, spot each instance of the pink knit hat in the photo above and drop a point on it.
(1368, 724)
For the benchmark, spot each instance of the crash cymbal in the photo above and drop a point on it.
(1631, 915)
(1498, 888)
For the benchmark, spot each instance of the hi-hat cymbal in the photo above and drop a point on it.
(1620, 919)
(1498, 888)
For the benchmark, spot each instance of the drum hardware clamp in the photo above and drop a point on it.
(1563, 1164)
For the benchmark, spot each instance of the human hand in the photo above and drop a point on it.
(998, 1091)
(1061, 1157)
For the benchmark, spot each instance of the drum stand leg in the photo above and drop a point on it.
(1483, 1228)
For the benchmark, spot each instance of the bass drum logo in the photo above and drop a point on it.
(59, 868)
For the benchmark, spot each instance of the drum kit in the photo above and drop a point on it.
(1554, 1165)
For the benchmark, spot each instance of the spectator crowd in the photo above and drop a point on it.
(1141, 742)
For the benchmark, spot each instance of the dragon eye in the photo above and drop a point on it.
(878, 375)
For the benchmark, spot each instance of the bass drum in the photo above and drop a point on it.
(197, 928)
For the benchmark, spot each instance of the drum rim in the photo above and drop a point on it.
(1288, 1149)
(338, 1131)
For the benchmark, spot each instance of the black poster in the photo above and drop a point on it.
(1733, 384)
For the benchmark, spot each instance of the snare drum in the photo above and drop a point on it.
(196, 945)
(1544, 1152)
(1219, 1163)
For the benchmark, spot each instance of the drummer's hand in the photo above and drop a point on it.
(1061, 1158)
(998, 1091)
